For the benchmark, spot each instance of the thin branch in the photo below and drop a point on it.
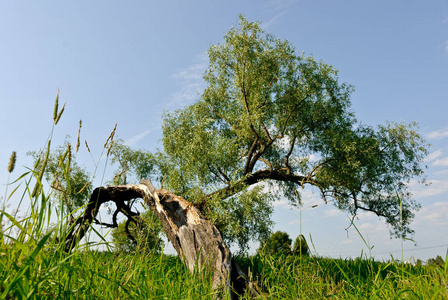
(259, 153)
(266, 131)
(223, 175)
(128, 233)
(267, 163)
(216, 175)
(250, 155)
(318, 166)
(109, 225)
(289, 153)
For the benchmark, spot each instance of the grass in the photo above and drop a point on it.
(33, 264)
(99, 275)
(32, 274)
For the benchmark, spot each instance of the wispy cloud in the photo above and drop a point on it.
(439, 134)
(435, 159)
(443, 162)
(434, 214)
(282, 203)
(366, 215)
(333, 212)
(137, 138)
(433, 155)
(441, 173)
(437, 187)
(367, 227)
(277, 5)
(280, 7)
(190, 83)
(266, 25)
(346, 242)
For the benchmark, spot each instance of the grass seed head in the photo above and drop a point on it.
(87, 145)
(12, 162)
(56, 104)
(79, 133)
(59, 115)
(111, 136)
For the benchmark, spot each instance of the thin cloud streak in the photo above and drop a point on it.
(437, 187)
(439, 134)
(434, 215)
(280, 4)
(277, 5)
(434, 155)
(333, 212)
(441, 162)
(273, 20)
(190, 84)
(137, 138)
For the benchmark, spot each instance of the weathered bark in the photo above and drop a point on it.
(197, 241)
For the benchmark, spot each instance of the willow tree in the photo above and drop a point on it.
(269, 114)
(270, 120)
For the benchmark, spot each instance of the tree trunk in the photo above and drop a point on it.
(196, 240)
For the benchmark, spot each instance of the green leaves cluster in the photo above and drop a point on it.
(300, 246)
(131, 165)
(279, 243)
(70, 182)
(147, 236)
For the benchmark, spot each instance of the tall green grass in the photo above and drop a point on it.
(322, 278)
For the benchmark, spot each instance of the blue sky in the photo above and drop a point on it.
(127, 62)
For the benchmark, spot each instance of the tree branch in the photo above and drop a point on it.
(289, 154)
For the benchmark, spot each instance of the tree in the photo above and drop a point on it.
(278, 243)
(269, 121)
(438, 261)
(70, 182)
(131, 163)
(271, 115)
(300, 246)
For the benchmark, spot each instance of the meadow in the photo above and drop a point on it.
(34, 265)
(36, 271)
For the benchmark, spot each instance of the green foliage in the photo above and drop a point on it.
(146, 236)
(300, 246)
(133, 165)
(438, 261)
(243, 217)
(265, 112)
(70, 182)
(278, 243)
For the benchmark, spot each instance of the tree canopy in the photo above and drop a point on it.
(70, 182)
(272, 115)
(279, 243)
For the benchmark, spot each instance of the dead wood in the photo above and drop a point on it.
(198, 242)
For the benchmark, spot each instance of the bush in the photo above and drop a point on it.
(300, 246)
(277, 244)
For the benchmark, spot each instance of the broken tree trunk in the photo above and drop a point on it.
(198, 242)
